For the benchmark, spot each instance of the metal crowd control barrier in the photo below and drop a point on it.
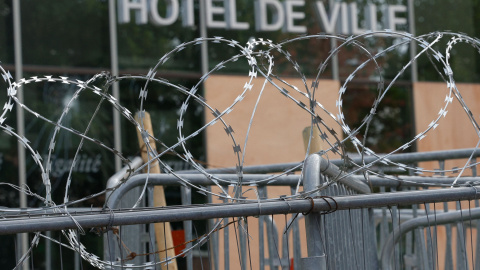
(348, 185)
(332, 236)
(351, 232)
(417, 244)
(427, 221)
(335, 240)
(145, 216)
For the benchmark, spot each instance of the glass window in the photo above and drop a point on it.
(87, 113)
(141, 45)
(65, 33)
(6, 32)
(455, 16)
(391, 125)
(92, 167)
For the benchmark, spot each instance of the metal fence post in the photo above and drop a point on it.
(297, 249)
(115, 181)
(186, 193)
(311, 180)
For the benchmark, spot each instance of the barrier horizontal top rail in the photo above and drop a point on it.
(5, 212)
(284, 180)
(405, 158)
(108, 218)
(199, 179)
(325, 167)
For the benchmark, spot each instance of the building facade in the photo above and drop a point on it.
(126, 38)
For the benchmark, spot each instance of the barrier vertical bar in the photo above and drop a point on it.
(242, 236)
(272, 239)
(476, 261)
(297, 249)
(226, 233)
(48, 251)
(261, 239)
(311, 180)
(409, 251)
(186, 193)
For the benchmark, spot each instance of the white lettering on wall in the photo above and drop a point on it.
(212, 10)
(270, 15)
(343, 26)
(83, 164)
(171, 16)
(231, 16)
(188, 19)
(392, 19)
(328, 22)
(261, 21)
(371, 17)
(355, 29)
(140, 8)
(291, 16)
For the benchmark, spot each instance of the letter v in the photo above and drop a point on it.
(328, 25)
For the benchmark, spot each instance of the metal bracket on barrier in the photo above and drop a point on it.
(317, 263)
(477, 192)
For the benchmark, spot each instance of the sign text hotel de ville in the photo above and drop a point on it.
(270, 15)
